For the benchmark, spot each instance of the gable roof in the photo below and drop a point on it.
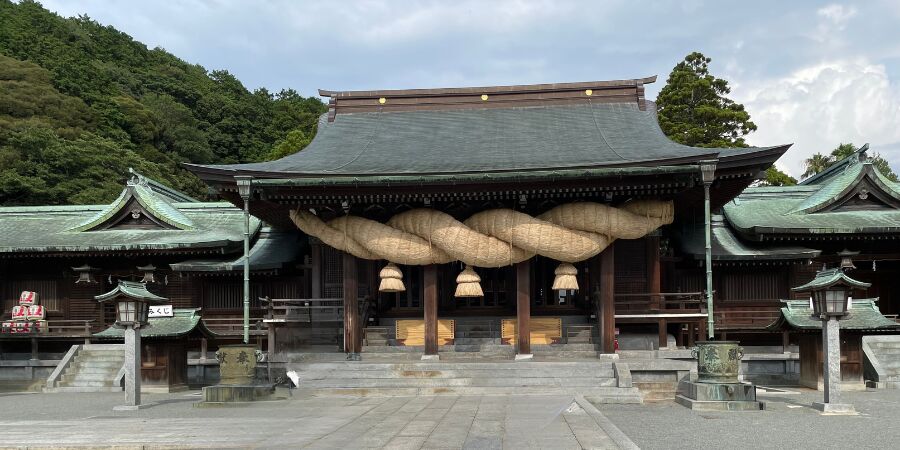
(130, 289)
(863, 315)
(66, 229)
(182, 322)
(852, 198)
(728, 247)
(272, 250)
(500, 129)
(826, 278)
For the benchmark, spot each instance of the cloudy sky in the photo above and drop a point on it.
(811, 73)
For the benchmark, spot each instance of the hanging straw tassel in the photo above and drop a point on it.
(565, 278)
(468, 284)
(391, 279)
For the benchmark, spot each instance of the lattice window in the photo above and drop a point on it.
(756, 284)
(631, 266)
(229, 294)
(332, 273)
(46, 289)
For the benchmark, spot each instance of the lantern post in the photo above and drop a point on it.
(132, 310)
(243, 184)
(830, 294)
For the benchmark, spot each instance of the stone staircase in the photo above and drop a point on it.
(881, 362)
(476, 339)
(89, 368)
(596, 378)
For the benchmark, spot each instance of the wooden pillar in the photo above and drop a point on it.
(430, 307)
(34, 349)
(653, 272)
(204, 345)
(607, 300)
(663, 333)
(523, 309)
(352, 330)
(316, 275)
(270, 338)
(785, 341)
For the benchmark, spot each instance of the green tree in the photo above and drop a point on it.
(295, 141)
(693, 108)
(76, 85)
(819, 162)
(815, 164)
(775, 177)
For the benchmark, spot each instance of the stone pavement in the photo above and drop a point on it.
(789, 422)
(514, 422)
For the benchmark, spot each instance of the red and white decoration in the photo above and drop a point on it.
(27, 316)
(28, 298)
(36, 312)
(19, 313)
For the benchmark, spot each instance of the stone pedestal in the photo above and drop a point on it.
(718, 396)
(227, 394)
(831, 348)
(237, 364)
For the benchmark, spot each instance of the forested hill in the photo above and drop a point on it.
(80, 103)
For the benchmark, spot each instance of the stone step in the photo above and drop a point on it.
(87, 376)
(452, 373)
(456, 382)
(91, 369)
(438, 365)
(102, 358)
(476, 340)
(87, 384)
(81, 363)
(606, 395)
(83, 389)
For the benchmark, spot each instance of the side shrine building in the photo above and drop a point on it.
(439, 220)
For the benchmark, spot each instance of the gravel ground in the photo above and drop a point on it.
(788, 422)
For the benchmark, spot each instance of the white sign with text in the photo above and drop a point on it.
(161, 311)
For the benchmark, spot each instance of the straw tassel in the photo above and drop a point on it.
(391, 279)
(468, 284)
(565, 279)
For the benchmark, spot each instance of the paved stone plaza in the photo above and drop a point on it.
(42, 420)
(514, 422)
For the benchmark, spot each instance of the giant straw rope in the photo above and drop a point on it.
(498, 237)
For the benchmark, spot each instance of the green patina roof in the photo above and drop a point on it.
(157, 205)
(815, 207)
(74, 228)
(482, 177)
(131, 289)
(827, 278)
(183, 322)
(272, 250)
(577, 135)
(863, 315)
(728, 247)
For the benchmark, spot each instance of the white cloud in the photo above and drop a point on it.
(837, 14)
(820, 106)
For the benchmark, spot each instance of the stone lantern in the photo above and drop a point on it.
(830, 294)
(132, 310)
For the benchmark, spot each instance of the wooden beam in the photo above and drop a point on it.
(523, 307)
(352, 332)
(431, 330)
(607, 300)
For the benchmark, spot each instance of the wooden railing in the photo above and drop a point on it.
(62, 328)
(661, 302)
(234, 326)
(307, 310)
(745, 319)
